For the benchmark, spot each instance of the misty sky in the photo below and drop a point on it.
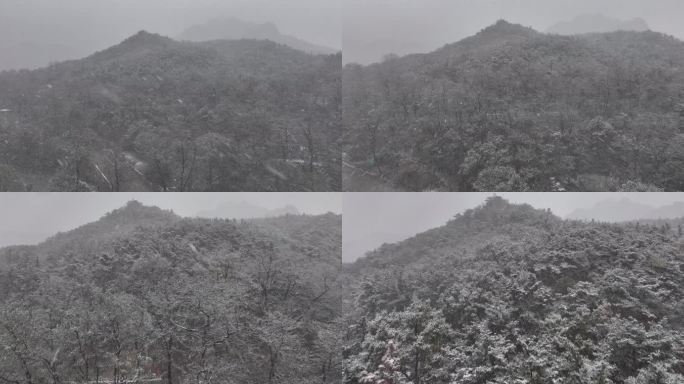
(28, 218)
(372, 27)
(85, 26)
(371, 219)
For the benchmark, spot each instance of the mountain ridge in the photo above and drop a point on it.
(495, 215)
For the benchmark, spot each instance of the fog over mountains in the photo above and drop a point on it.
(29, 218)
(39, 32)
(372, 219)
(593, 23)
(233, 28)
(376, 28)
(626, 210)
(245, 210)
(31, 54)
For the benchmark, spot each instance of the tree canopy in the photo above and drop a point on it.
(145, 294)
(508, 294)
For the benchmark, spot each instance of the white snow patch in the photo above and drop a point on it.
(5, 110)
(180, 101)
(139, 168)
(300, 161)
(276, 172)
(49, 86)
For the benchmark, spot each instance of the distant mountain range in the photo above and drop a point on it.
(245, 210)
(233, 28)
(30, 53)
(593, 23)
(367, 51)
(627, 210)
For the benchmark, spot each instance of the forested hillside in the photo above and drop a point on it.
(509, 294)
(143, 294)
(154, 114)
(512, 109)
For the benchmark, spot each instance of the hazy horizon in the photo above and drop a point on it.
(371, 219)
(374, 28)
(77, 28)
(30, 218)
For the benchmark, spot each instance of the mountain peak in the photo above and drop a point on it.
(499, 204)
(501, 32)
(142, 41)
(119, 221)
(143, 34)
(496, 216)
(135, 210)
(504, 27)
(133, 204)
(146, 38)
(496, 210)
(496, 202)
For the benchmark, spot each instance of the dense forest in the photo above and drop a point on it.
(154, 114)
(512, 109)
(509, 294)
(144, 295)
